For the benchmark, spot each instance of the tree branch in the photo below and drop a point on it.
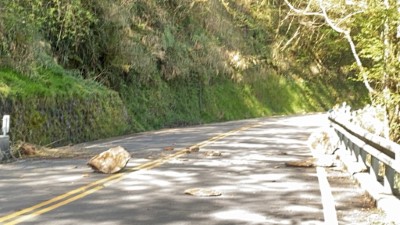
(348, 16)
(302, 12)
(338, 29)
(349, 39)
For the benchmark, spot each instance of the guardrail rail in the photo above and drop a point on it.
(380, 156)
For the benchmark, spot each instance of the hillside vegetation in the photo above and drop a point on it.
(75, 70)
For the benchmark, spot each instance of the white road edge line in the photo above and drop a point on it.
(328, 203)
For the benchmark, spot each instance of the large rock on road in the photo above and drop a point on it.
(111, 161)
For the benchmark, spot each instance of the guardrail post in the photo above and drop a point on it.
(363, 158)
(5, 153)
(356, 150)
(340, 135)
(5, 148)
(374, 169)
(389, 180)
(347, 143)
(393, 173)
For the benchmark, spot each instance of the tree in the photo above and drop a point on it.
(371, 29)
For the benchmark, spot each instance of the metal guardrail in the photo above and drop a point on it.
(380, 156)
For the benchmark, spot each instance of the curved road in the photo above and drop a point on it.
(254, 184)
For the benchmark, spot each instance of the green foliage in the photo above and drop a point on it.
(373, 25)
(29, 28)
(17, 36)
(378, 42)
(172, 63)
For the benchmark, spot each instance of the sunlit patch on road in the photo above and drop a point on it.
(240, 215)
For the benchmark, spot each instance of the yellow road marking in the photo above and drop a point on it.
(88, 189)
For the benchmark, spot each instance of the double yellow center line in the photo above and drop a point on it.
(78, 193)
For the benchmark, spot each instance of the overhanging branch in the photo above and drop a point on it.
(338, 29)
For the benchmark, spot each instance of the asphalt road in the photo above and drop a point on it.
(254, 184)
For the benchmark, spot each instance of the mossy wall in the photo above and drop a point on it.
(61, 116)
